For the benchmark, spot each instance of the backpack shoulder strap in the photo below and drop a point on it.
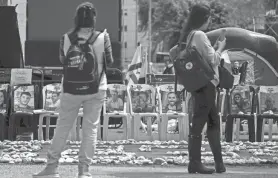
(187, 46)
(93, 37)
(74, 38)
(190, 39)
(72, 35)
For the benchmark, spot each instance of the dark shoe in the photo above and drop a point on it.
(220, 167)
(198, 167)
(194, 149)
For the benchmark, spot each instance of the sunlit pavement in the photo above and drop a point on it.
(25, 171)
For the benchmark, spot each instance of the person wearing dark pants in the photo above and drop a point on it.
(204, 109)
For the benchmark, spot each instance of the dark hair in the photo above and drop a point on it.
(171, 93)
(198, 15)
(25, 93)
(85, 16)
(57, 93)
(144, 93)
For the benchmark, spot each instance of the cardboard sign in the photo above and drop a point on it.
(21, 76)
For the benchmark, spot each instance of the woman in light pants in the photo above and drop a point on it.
(71, 103)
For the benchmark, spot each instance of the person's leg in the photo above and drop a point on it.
(70, 105)
(92, 110)
(200, 117)
(213, 132)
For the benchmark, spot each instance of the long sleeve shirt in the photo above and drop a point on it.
(107, 52)
(204, 47)
(107, 48)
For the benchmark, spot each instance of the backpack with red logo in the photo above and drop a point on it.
(192, 71)
(81, 75)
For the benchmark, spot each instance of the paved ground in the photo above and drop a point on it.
(25, 171)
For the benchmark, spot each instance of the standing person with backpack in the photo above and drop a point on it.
(204, 108)
(83, 51)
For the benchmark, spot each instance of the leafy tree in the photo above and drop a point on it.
(168, 17)
(269, 4)
(242, 12)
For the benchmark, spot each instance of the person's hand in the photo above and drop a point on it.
(221, 45)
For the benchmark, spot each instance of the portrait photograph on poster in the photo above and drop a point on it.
(142, 101)
(268, 100)
(24, 98)
(52, 96)
(171, 102)
(241, 100)
(3, 97)
(115, 98)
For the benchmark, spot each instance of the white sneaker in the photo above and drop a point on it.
(50, 171)
(83, 171)
(85, 175)
(45, 174)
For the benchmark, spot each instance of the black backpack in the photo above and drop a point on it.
(192, 71)
(81, 76)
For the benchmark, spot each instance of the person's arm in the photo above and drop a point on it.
(108, 49)
(204, 47)
(173, 53)
(173, 70)
(61, 50)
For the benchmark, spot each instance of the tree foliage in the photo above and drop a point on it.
(168, 16)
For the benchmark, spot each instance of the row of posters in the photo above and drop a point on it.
(142, 98)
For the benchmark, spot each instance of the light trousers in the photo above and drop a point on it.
(68, 112)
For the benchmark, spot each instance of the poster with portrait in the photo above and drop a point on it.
(241, 100)
(52, 96)
(244, 70)
(171, 101)
(24, 98)
(269, 100)
(141, 98)
(3, 97)
(115, 98)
